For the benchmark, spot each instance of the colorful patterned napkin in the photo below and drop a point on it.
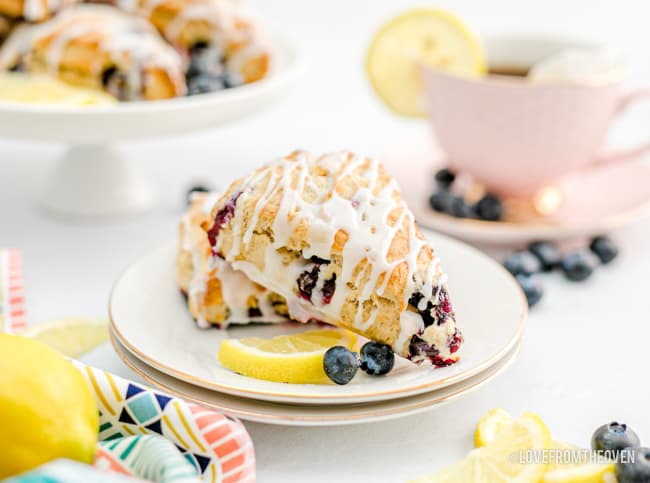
(143, 433)
(12, 295)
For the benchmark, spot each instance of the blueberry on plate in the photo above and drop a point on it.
(533, 289)
(460, 209)
(489, 208)
(376, 358)
(604, 249)
(522, 263)
(441, 201)
(547, 253)
(614, 437)
(204, 84)
(340, 364)
(577, 266)
(444, 178)
(633, 466)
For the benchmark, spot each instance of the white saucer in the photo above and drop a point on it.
(595, 201)
(311, 415)
(149, 317)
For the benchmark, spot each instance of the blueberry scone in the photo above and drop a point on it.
(216, 294)
(334, 237)
(225, 44)
(100, 47)
(32, 10)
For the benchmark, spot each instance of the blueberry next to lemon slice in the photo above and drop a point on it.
(377, 359)
(614, 437)
(340, 364)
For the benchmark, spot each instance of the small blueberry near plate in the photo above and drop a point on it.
(489, 208)
(532, 288)
(614, 437)
(460, 209)
(577, 266)
(633, 466)
(340, 364)
(604, 249)
(547, 253)
(444, 178)
(377, 359)
(441, 201)
(522, 263)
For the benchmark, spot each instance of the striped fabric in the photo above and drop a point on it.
(12, 294)
(215, 445)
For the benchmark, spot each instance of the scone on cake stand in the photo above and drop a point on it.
(92, 179)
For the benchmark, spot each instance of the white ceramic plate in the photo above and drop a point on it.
(149, 317)
(136, 120)
(311, 415)
(586, 210)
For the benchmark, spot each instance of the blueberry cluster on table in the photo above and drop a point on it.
(618, 442)
(545, 256)
(341, 364)
(444, 200)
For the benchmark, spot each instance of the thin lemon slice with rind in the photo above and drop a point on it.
(426, 36)
(501, 460)
(490, 424)
(73, 337)
(296, 359)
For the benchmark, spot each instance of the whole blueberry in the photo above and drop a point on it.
(489, 208)
(613, 437)
(460, 209)
(340, 364)
(533, 289)
(604, 249)
(441, 201)
(547, 253)
(376, 358)
(444, 178)
(203, 84)
(577, 266)
(522, 263)
(633, 466)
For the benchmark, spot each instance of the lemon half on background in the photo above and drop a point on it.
(427, 37)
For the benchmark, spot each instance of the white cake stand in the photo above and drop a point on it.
(92, 179)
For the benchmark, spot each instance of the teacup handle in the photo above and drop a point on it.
(626, 101)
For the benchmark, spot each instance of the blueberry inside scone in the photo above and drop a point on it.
(333, 236)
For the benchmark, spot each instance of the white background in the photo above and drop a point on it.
(585, 359)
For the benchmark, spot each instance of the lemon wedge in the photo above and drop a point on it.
(43, 89)
(296, 359)
(499, 461)
(490, 424)
(578, 472)
(73, 337)
(431, 37)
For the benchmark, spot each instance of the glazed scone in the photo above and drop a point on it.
(333, 236)
(32, 10)
(99, 47)
(222, 30)
(216, 294)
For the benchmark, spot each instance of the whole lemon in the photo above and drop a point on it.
(47, 409)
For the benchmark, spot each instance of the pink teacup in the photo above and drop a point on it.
(516, 136)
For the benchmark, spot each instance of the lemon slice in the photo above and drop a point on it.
(294, 358)
(499, 461)
(578, 472)
(490, 424)
(431, 37)
(43, 89)
(73, 337)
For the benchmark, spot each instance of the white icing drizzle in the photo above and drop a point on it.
(236, 288)
(132, 44)
(364, 217)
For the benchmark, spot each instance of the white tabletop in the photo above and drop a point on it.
(586, 345)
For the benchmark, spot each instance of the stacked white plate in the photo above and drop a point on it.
(154, 334)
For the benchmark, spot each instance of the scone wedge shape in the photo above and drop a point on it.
(217, 295)
(334, 237)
